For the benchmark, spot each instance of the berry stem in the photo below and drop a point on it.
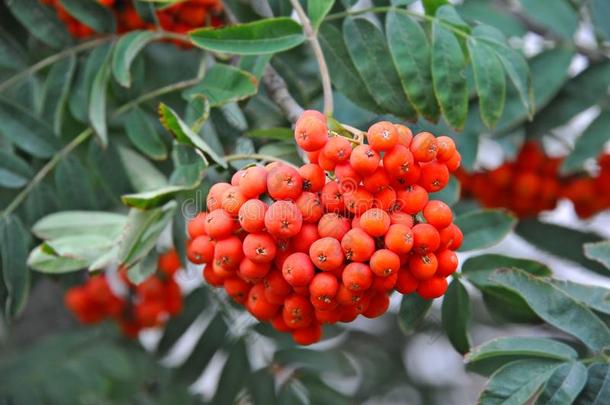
(317, 50)
(358, 134)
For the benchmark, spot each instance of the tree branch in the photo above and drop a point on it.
(317, 50)
(278, 91)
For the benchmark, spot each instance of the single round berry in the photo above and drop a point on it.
(284, 182)
(297, 311)
(357, 276)
(378, 305)
(333, 225)
(451, 237)
(447, 263)
(402, 218)
(424, 147)
(232, 200)
(237, 289)
(406, 283)
(337, 149)
(253, 182)
(384, 284)
(324, 287)
(253, 271)
(310, 133)
(258, 305)
(423, 267)
(259, 247)
(251, 215)
(306, 236)
(382, 136)
(399, 239)
(384, 262)
(375, 222)
(432, 288)
(358, 201)
(385, 199)
(310, 206)
(413, 199)
(326, 254)
(228, 253)
(219, 224)
(445, 148)
(298, 270)
(434, 176)
(398, 161)
(309, 335)
(438, 214)
(425, 238)
(364, 160)
(332, 197)
(214, 199)
(358, 245)
(283, 219)
(313, 177)
(196, 226)
(377, 181)
(201, 250)
(405, 136)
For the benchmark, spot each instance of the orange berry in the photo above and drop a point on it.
(357, 276)
(298, 270)
(364, 160)
(326, 254)
(405, 136)
(384, 284)
(378, 305)
(259, 247)
(382, 136)
(283, 219)
(385, 199)
(451, 237)
(423, 267)
(196, 226)
(323, 287)
(402, 218)
(313, 177)
(332, 197)
(237, 289)
(219, 224)
(377, 181)
(445, 148)
(447, 263)
(398, 161)
(337, 149)
(228, 253)
(309, 335)
(253, 182)
(438, 214)
(200, 250)
(252, 271)
(251, 215)
(333, 225)
(258, 305)
(432, 288)
(310, 206)
(384, 262)
(425, 238)
(375, 222)
(284, 182)
(214, 199)
(434, 176)
(424, 147)
(406, 283)
(306, 236)
(297, 311)
(399, 239)
(310, 133)
(357, 245)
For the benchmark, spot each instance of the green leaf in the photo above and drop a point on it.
(561, 19)
(555, 307)
(566, 242)
(224, 84)
(410, 52)
(455, 316)
(589, 144)
(600, 11)
(370, 54)
(41, 21)
(179, 231)
(495, 261)
(74, 189)
(12, 55)
(488, 13)
(142, 232)
(194, 304)
(153, 198)
(141, 131)
(489, 80)
(430, 6)
(549, 71)
(254, 64)
(125, 52)
(56, 91)
(597, 389)
(596, 298)
(598, 251)
(14, 172)
(333, 361)
(261, 386)
(144, 268)
(27, 132)
(70, 223)
(412, 312)
(142, 174)
(92, 14)
(578, 94)
(343, 73)
(15, 274)
(280, 134)
(97, 100)
(449, 75)
(185, 135)
(317, 10)
(490, 356)
(564, 385)
(259, 37)
(513, 62)
(69, 253)
(484, 228)
(208, 344)
(517, 382)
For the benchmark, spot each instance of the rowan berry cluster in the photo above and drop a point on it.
(334, 238)
(180, 17)
(532, 183)
(146, 305)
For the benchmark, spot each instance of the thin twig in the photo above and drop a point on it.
(52, 59)
(317, 50)
(84, 135)
(278, 91)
